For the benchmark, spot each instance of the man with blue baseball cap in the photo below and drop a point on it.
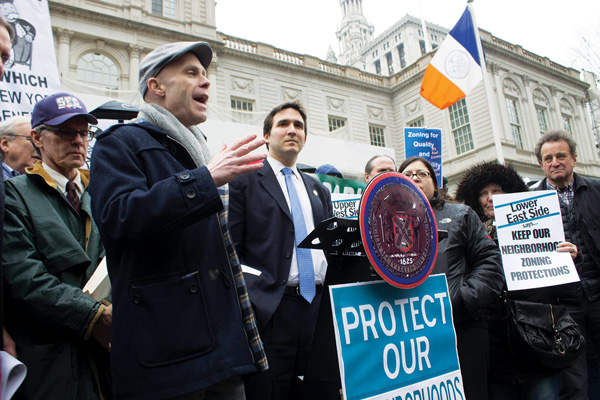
(184, 327)
(52, 248)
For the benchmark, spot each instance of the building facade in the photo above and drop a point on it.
(355, 110)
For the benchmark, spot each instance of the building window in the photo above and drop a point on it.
(568, 123)
(422, 46)
(434, 37)
(541, 116)
(378, 67)
(377, 134)
(461, 127)
(418, 123)
(241, 110)
(401, 55)
(390, 63)
(166, 8)
(98, 70)
(515, 122)
(420, 32)
(335, 123)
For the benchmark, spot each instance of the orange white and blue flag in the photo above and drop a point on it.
(455, 69)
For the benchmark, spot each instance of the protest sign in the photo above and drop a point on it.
(426, 143)
(345, 195)
(31, 73)
(396, 343)
(529, 228)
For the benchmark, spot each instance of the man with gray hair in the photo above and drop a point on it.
(556, 152)
(183, 324)
(16, 147)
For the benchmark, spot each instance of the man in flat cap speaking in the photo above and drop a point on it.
(183, 326)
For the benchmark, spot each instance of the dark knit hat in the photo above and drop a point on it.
(478, 176)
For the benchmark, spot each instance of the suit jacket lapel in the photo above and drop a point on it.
(269, 181)
(313, 195)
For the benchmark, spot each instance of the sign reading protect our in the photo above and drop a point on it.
(396, 343)
(530, 228)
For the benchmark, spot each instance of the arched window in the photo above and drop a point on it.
(98, 70)
(541, 109)
(512, 95)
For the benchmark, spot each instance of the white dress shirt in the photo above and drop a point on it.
(318, 256)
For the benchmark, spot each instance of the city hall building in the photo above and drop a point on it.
(358, 101)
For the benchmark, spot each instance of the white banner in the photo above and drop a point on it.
(529, 229)
(32, 73)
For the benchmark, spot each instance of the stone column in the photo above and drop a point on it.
(64, 44)
(211, 74)
(134, 66)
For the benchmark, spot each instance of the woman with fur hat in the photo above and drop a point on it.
(509, 378)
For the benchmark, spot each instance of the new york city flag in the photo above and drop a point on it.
(455, 69)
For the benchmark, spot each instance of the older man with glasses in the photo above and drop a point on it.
(52, 248)
(16, 148)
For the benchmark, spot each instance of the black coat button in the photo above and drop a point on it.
(283, 282)
(288, 255)
(185, 176)
(137, 299)
(193, 288)
(190, 194)
(291, 232)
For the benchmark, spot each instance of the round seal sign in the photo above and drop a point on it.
(398, 230)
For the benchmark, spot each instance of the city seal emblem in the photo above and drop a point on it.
(398, 230)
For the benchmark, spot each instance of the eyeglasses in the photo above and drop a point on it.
(69, 133)
(419, 174)
(15, 135)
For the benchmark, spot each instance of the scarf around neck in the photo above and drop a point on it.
(191, 138)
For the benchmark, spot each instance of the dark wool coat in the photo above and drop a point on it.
(177, 325)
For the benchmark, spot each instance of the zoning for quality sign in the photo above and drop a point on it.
(396, 344)
(530, 228)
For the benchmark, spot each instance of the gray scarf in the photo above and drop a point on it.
(192, 139)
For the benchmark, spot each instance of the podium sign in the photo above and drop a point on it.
(398, 230)
(394, 343)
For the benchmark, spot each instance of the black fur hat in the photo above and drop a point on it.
(476, 177)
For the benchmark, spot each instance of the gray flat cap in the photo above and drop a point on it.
(154, 62)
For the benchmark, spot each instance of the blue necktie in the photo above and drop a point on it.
(306, 271)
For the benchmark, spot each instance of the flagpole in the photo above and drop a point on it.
(424, 27)
(487, 88)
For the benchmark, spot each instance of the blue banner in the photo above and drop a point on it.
(396, 343)
(426, 143)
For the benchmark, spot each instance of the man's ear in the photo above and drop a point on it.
(35, 138)
(4, 144)
(155, 87)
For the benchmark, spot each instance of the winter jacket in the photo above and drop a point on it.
(49, 254)
(470, 260)
(177, 325)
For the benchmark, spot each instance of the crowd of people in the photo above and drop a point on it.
(211, 296)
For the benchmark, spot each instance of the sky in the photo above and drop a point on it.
(549, 28)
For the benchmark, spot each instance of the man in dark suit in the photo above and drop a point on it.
(271, 211)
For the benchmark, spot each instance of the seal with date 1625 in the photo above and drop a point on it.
(398, 230)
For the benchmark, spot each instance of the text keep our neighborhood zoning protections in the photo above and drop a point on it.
(530, 228)
(396, 343)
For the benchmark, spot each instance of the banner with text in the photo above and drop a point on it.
(426, 143)
(345, 195)
(31, 73)
(396, 343)
(529, 228)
